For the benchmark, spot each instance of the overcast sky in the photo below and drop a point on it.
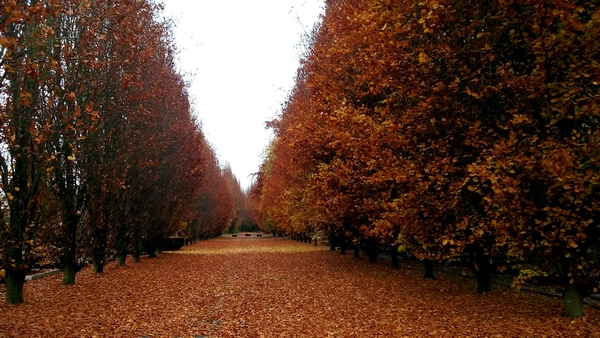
(244, 56)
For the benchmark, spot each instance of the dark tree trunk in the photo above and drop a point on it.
(572, 301)
(136, 254)
(372, 253)
(394, 256)
(70, 247)
(98, 264)
(69, 271)
(15, 280)
(151, 249)
(98, 244)
(482, 268)
(121, 259)
(428, 269)
(137, 249)
(122, 248)
(484, 280)
(356, 252)
(331, 243)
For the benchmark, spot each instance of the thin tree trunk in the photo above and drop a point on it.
(428, 269)
(121, 259)
(69, 271)
(98, 264)
(394, 256)
(121, 249)
(15, 280)
(136, 255)
(572, 301)
(484, 280)
(372, 252)
(70, 247)
(136, 251)
(151, 249)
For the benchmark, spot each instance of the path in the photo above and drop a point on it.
(271, 287)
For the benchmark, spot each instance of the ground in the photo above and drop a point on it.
(273, 287)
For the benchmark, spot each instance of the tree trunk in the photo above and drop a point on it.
(428, 269)
(98, 265)
(121, 259)
(70, 245)
(98, 245)
(136, 252)
(394, 256)
(331, 243)
(342, 246)
(121, 248)
(356, 252)
(572, 301)
(484, 280)
(151, 251)
(69, 271)
(15, 279)
(372, 253)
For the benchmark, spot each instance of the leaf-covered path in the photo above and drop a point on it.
(270, 287)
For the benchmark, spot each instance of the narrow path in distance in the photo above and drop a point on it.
(273, 287)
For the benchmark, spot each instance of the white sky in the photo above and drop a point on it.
(244, 55)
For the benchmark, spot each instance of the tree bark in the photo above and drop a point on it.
(15, 279)
(572, 301)
(136, 252)
(121, 259)
(151, 250)
(484, 280)
(428, 269)
(372, 253)
(70, 245)
(98, 265)
(69, 271)
(394, 256)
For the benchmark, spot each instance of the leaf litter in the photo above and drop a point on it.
(272, 287)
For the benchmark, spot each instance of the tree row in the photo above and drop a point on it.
(100, 154)
(456, 130)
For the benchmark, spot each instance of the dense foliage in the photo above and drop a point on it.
(99, 153)
(458, 130)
